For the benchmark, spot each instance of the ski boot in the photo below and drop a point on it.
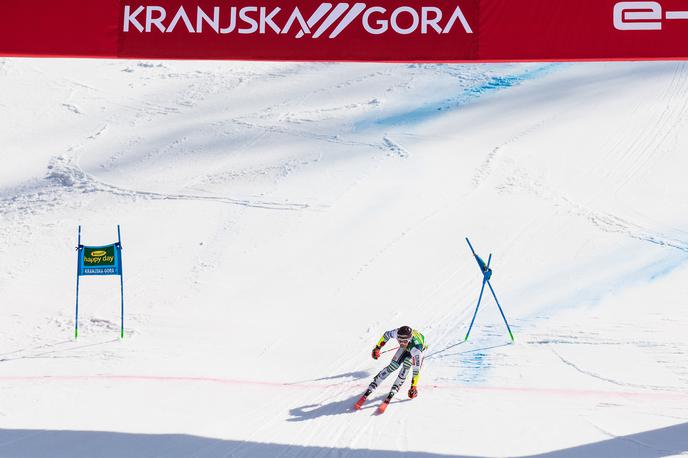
(362, 399)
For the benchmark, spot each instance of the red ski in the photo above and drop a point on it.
(360, 402)
(381, 409)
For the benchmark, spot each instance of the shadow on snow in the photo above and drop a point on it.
(313, 411)
(20, 443)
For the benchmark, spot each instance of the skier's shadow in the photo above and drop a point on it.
(313, 411)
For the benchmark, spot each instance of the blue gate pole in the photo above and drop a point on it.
(480, 297)
(121, 282)
(476, 311)
(485, 269)
(500, 311)
(471, 246)
(78, 255)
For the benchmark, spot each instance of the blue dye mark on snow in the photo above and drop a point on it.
(666, 266)
(468, 95)
(474, 364)
(593, 289)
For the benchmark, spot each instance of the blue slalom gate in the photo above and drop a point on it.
(487, 275)
(99, 260)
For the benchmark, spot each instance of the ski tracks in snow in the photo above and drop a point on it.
(64, 176)
(487, 167)
(606, 222)
(611, 380)
(667, 113)
(55, 350)
(654, 451)
(629, 159)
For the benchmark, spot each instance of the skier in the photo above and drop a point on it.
(410, 352)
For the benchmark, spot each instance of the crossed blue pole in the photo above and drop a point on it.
(487, 274)
(121, 282)
(76, 317)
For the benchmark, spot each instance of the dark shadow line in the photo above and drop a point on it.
(25, 443)
(476, 349)
(37, 347)
(356, 375)
(313, 411)
(445, 349)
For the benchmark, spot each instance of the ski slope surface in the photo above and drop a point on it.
(277, 218)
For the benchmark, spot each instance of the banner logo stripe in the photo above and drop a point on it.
(319, 13)
(348, 19)
(334, 15)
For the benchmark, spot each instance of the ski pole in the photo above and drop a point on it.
(389, 349)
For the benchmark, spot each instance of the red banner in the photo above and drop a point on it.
(379, 30)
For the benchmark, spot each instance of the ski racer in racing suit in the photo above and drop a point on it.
(410, 353)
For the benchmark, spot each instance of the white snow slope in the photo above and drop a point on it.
(277, 218)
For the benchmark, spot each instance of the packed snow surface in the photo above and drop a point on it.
(277, 218)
